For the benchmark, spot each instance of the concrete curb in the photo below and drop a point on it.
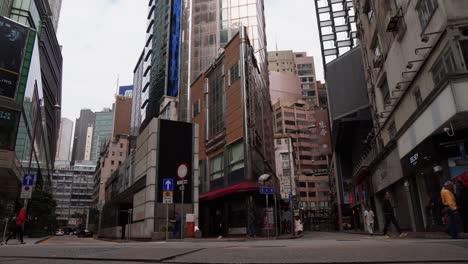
(43, 239)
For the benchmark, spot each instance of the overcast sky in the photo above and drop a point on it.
(102, 40)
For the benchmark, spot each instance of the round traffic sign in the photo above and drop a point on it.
(26, 188)
(182, 171)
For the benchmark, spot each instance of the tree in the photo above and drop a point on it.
(41, 211)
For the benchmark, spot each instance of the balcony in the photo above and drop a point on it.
(361, 168)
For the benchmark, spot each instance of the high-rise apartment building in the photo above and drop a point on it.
(64, 139)
(287, 61)
(30, 97)
(308, 128)
(415, 57)
(102, 131)
(72, 189)
(86, 120)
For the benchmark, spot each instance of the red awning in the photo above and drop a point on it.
(246, 186)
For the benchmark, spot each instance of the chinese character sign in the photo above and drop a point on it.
(323, 132)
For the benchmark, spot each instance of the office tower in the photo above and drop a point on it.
(89, 143)
(31, 87)
(102, 131)
(138, 114)
(86, 119)
(64, 139)
(287, 61)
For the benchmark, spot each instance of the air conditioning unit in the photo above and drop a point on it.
(393, 20)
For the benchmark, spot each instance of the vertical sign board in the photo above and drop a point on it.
(13, 38)
(175, 148)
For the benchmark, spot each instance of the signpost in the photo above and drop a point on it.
(26, 189)
(182, 172)
(267, 190)
(168, 187)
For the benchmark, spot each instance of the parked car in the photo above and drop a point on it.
(84, 233)
(59, 232)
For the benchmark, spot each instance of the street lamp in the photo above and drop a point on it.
(290, 177)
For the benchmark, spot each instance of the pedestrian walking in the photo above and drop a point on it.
(298, 227)
(19, 227)
(369, 220)
(389, 216)
(450, 209)
(177, 226)
(219, 224)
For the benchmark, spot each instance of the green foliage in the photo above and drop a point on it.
(41, 212)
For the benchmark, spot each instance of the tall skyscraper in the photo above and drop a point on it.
(138, 114)
(64, 139)
(102, 131)
(86, 119)
(195, 33)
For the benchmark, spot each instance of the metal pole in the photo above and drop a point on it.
(167, 221)
(182, 214)
(5, 228)
(290, 188)
(268, 217)
(275, 214)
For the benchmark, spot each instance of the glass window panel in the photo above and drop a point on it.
(243, 11)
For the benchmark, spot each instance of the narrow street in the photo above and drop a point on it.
(312, 248)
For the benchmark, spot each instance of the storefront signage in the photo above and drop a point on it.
(12, 44)
(414, 159)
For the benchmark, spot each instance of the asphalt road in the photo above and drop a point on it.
(312, 248)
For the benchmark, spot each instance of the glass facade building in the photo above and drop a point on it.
(102, 131)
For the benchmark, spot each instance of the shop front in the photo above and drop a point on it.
(437, 159)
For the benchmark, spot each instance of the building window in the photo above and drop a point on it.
(444, 65)
(385, 92)
(216, 101)
(302, 184)
(392, 130)
(113, 153)
(121, 154)
(216, 167)
(311, 184)
(286, 172)
(417, 96)
(234, 73)
(112, 162)
(464, 49)
(311, 194)
(196, 108)
(278, 141)
(426, 9)
(121, 145)
(289, 122)
(369, 10)
(236, 156)
(120, 162)
(303, 194)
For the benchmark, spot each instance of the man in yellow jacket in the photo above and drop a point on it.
(450, 207)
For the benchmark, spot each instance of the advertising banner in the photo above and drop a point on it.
(323, 132)
(12, 44)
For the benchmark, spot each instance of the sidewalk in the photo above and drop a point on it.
(27, 240)
(424, 235)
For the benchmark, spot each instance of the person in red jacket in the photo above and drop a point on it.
(20, 220)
